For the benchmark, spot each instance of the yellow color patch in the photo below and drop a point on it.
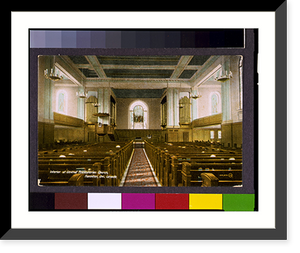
(205, 201)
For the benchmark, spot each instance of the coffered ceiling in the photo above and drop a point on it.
(134, 72)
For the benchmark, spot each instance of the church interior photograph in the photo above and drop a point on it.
(140, 120)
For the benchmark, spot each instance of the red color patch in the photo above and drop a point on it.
(172, 201)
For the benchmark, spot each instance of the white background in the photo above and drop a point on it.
(22, 21)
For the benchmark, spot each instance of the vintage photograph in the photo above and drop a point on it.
(140, 120)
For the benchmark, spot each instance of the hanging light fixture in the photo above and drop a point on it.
(194, 95)
(81, 94)
(223, 77)
(53, 74)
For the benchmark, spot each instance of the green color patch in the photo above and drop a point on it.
(238, 202)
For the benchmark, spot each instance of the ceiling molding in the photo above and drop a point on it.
(155, 67)
(69, 69)
(165, 67)
(135, 80)
(140, 85)
(187, 73)
(92, 59)
(209, 65)
(182, 63)
(210, 74)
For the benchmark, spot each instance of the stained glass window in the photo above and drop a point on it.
(138, 114)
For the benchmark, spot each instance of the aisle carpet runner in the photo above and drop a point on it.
(139, 172)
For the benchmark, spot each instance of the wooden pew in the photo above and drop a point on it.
(168, 167)
(74, 180)
(209, 180)
(191, 176)
(105, 164)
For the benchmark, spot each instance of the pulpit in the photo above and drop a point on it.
(103, 129)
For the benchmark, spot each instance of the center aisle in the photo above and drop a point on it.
(139, 172)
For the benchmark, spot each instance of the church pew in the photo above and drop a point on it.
(71, 155)
(208, 156)
(193, 145)
(191, 176)
(164, 166)
(167, 166)
(194, 153)
(176, 171)
(62, 166)
(60, 172)
(74, 180)
(70, 161)
(114, 163)
(84, 150)
(226, 177)
(211, 160)
(63, 172)
(209, 180)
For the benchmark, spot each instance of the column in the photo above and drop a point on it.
(100, 102)
(176, 107)
(48, 90)
(131, 120)
(240, 70)
(161, 114)
(170, 110)
(194, 106)
(225, 89)
(146, 120)
(80, 104)
(45, 112)
(106, 104)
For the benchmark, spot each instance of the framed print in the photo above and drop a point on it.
(124, 123)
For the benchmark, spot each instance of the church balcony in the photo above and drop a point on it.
(61, 119)
(208, 121)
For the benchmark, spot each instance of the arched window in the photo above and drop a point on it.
(214, 104)
(138, 115)
(61, 102)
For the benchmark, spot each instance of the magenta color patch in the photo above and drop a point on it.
(138, 200)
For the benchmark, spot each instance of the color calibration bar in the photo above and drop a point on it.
(141, 201)
(198, 38)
